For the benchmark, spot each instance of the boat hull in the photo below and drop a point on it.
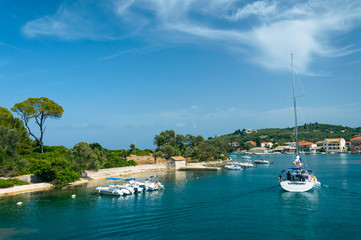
(296, 186)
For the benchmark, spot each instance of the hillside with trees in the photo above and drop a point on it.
(311, 132)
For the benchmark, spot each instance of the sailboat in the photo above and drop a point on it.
(298, 178)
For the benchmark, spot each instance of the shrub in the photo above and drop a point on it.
(63, 178)
(5, 183)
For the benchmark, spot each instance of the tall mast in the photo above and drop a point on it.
(294, 107)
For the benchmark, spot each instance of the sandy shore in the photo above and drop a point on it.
(89, 176)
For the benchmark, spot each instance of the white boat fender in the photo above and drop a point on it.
(73, 196)
(19, 203)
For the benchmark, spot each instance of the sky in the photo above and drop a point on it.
(125, 70)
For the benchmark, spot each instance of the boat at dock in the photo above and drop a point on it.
(128, 186)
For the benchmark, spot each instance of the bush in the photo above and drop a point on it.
(63, 178)
(11, 182)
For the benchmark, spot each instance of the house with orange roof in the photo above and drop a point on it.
(356, 145)
(235, 144)
(252, 142)
(334, 145)
(176, 162)
(305, 146)
(267, 144)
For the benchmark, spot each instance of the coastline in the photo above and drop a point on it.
(91, 176)
(87, 176)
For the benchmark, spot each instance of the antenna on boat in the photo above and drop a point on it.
(294, 107)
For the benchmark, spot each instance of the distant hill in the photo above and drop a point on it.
(312, 132)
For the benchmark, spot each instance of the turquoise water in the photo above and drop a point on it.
(247, 204)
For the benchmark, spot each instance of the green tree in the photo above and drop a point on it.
(84, 158)
(132, 148)
(39, 109)
(166, 137)
(169, 151)
(157, 154)
(4, 113)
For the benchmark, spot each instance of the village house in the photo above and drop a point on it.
(281, 149)
(334, 145)
(356, 145)
(176, 162)
(235, 144)
(252, 142)
(305, 146)
(267, 144)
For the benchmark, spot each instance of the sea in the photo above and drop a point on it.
(227, 204)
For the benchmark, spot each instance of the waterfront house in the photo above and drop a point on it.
(334, 145)
(305, 146)
(176, 162)
(258, 150)
(281, 149)
(267, 144)
(356, 145)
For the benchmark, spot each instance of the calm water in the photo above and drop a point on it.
(247, 204)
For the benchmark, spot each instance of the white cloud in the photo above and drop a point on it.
(266, 31)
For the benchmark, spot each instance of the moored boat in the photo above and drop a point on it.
(262, 161)
(233, 167)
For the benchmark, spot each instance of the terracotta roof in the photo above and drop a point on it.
(356, 138)
(178, 158)
(304, 143)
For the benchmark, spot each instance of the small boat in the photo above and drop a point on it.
(245, 164)
(246, 157)
(262, 161)
(152, 185)
(113, 189)
(233, 167)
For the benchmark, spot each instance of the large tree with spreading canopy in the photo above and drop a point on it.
(38, 109)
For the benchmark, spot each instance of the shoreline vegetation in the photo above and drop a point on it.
(24, 153)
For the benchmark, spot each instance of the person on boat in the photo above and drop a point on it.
(288, 175)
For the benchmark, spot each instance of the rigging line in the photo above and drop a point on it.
(300, 83)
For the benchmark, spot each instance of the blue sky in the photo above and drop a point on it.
(125, 70)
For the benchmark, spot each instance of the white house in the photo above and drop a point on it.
(267, 144)
(176, 162)
(334, 145)
(307, 146)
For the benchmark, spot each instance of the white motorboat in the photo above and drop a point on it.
(297, 179)
(245, 164)
(233, 167)
(121, 187)
(113, 189)
(246, 157)
(262, 161)
(152, 185)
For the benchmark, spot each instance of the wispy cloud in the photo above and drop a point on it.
(266, 31)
